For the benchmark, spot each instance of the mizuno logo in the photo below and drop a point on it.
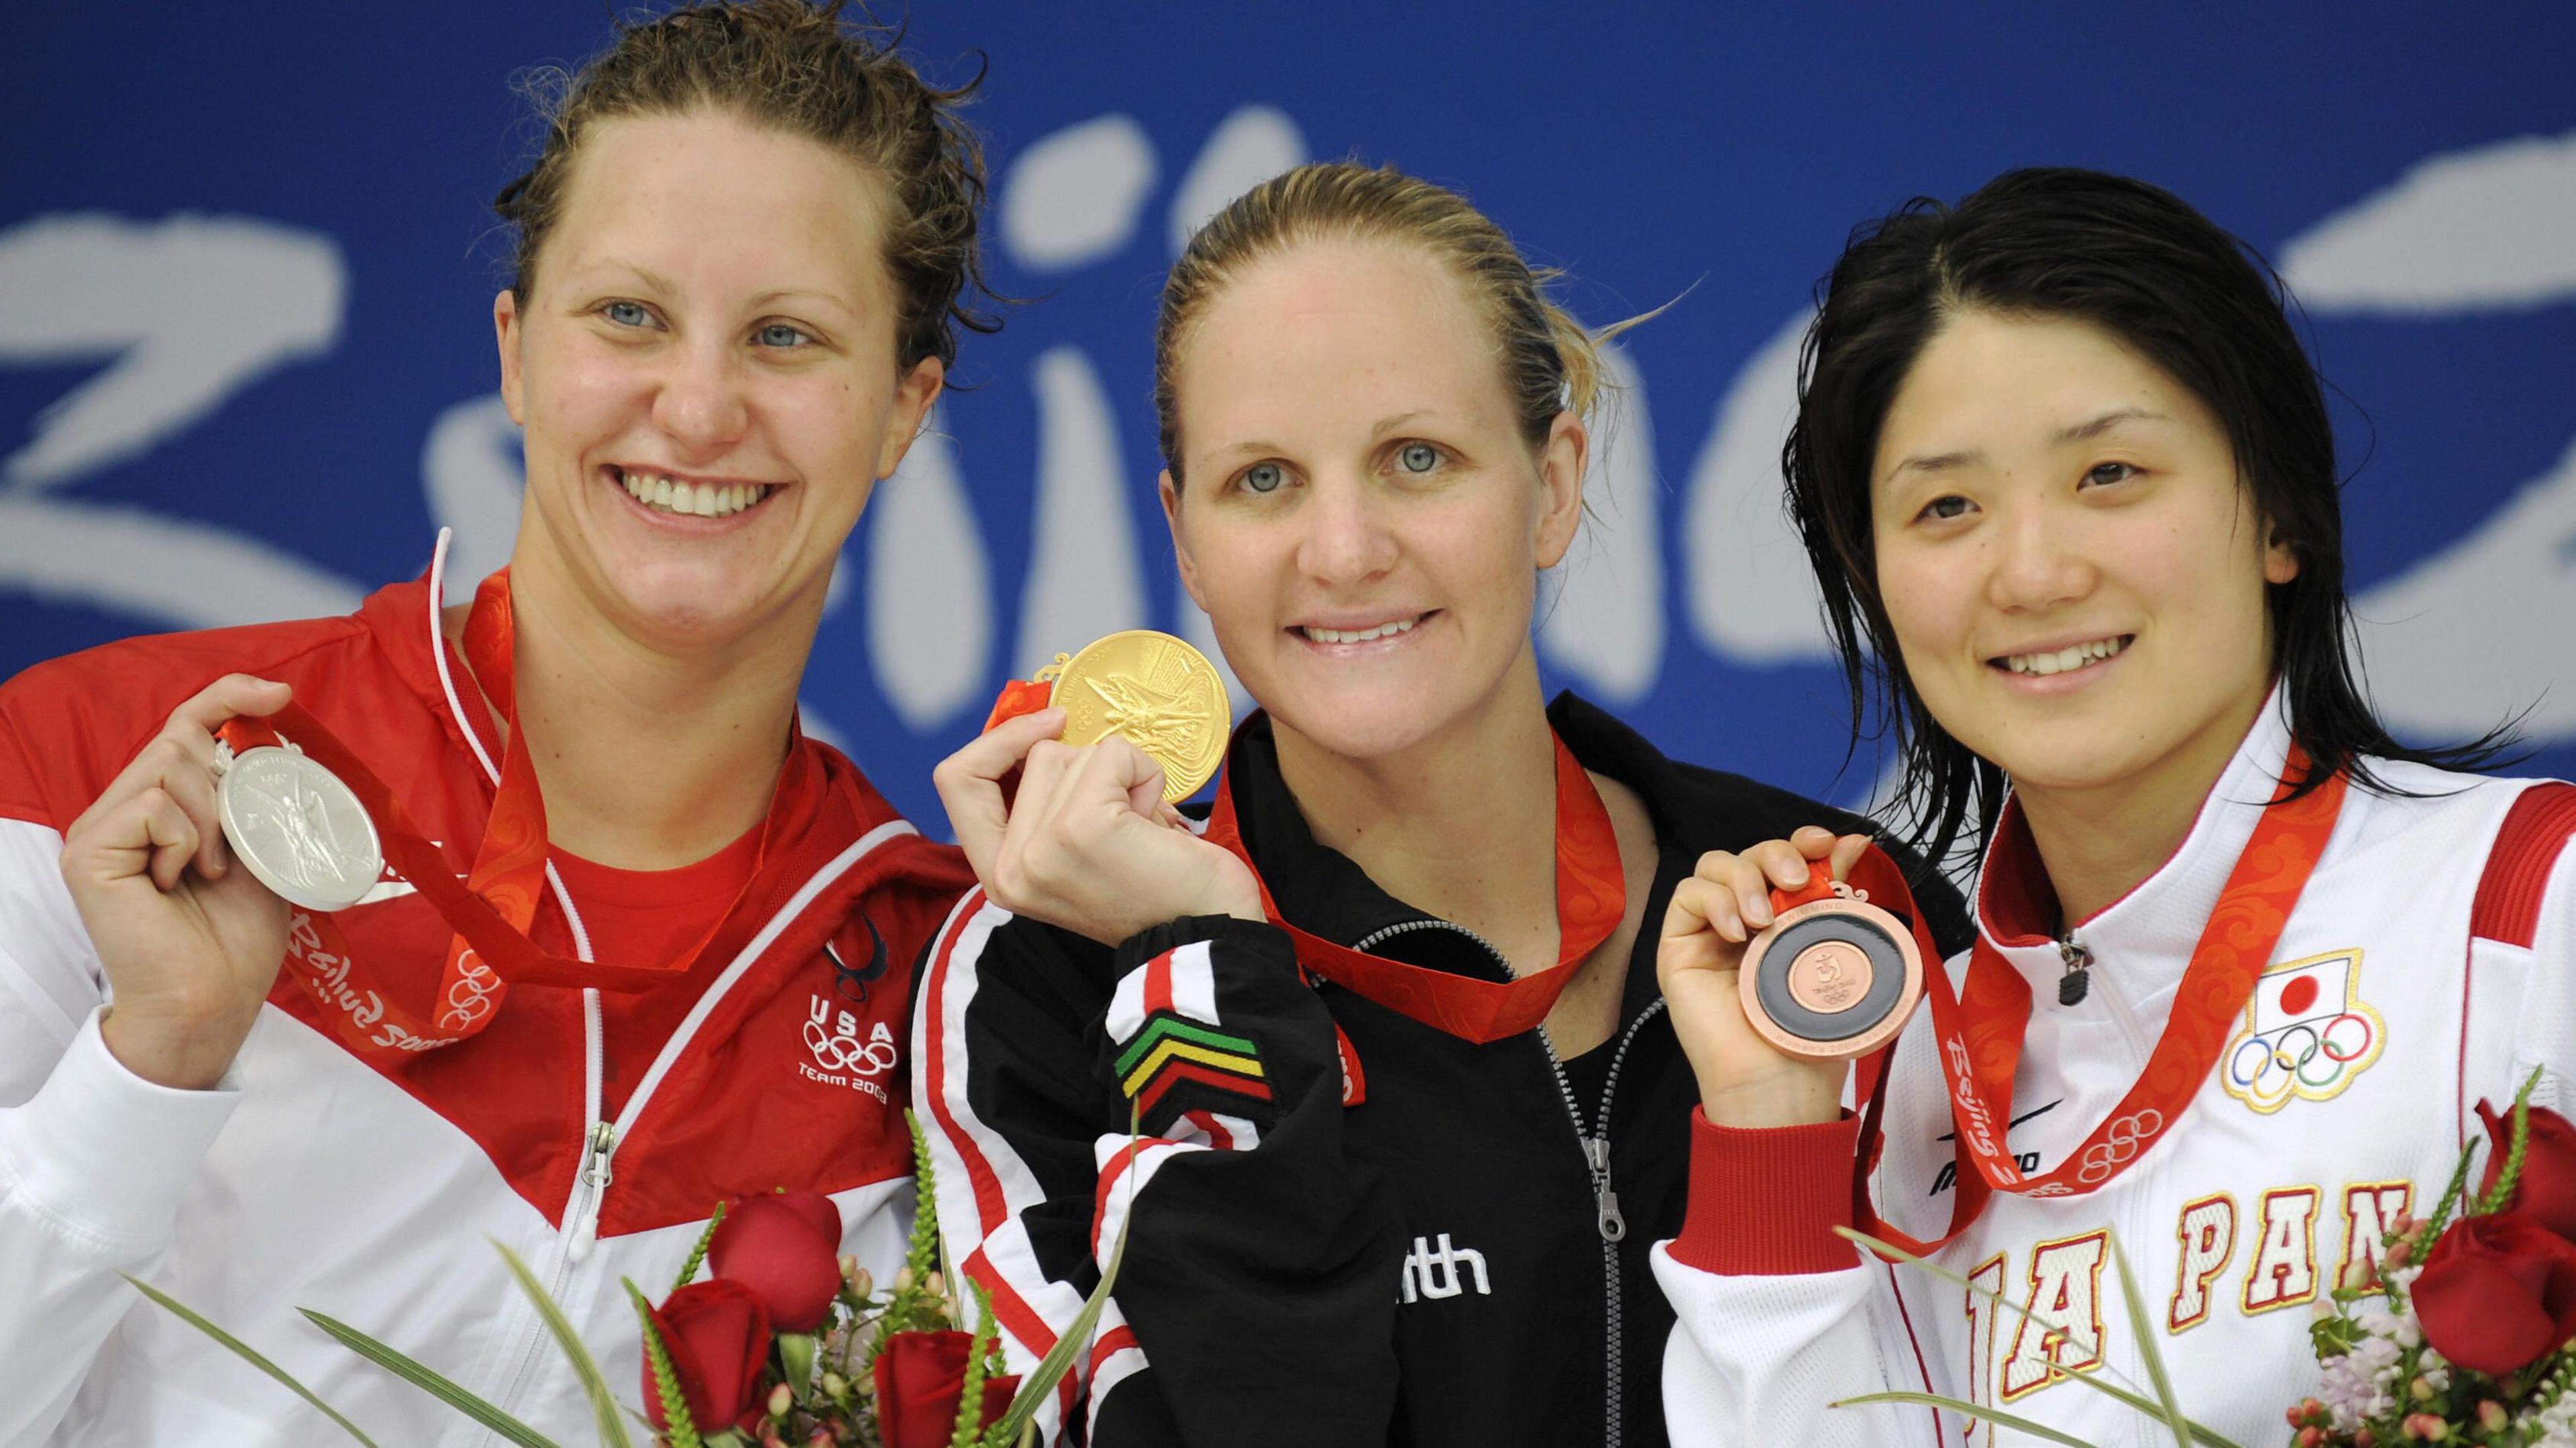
(2028, 1161)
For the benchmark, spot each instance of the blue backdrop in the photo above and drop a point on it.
(246, 270)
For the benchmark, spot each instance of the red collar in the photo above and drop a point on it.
(1591, 896)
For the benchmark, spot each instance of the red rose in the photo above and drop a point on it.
(920, 1376)
(718, 1336)
(2546, 1189)
(2497, 1292)
(785, 1247)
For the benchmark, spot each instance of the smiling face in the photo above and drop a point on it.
(1362, 517)
(2074, 574)
(706, 373)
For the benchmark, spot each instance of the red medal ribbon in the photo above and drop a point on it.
(1591, 896)
(1980, 1030)
(490, 910)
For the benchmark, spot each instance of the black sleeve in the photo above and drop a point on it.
(1255, 1302)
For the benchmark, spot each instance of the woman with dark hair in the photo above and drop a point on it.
(2246, 966)
(743, 256)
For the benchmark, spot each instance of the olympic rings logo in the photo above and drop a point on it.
(2305, 1035)
(2268, 1070)
(2127, 1135)
(849, 1053)
(472, 995)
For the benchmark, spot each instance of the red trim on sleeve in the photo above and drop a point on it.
(1112, 1343)
(1764, 1203)
(2526, 849)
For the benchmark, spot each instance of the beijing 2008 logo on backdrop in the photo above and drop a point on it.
(2307, 1033)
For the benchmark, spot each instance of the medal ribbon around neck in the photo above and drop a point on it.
(1591, 896)
(492, 909)
(1980, 1029)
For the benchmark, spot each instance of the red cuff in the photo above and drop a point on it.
(1764, 1202)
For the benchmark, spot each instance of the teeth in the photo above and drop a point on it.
(2065, 660)
(701, 500)
(1360, 636)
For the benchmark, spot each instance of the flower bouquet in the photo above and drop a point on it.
(2463, 1331)
(784, 1342)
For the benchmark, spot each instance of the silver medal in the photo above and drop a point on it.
(301, 831)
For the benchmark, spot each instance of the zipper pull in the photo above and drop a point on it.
(595, 1174)
(2079, 963)
(1596, 1154)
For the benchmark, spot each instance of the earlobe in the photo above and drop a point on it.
(1561, 465)
(505, 331)
(2280, 560)
(1170, 493)
(913, 397)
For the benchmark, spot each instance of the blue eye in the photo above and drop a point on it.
(779, 334)
(1418, 457)
(1264, 477)
(627, 314)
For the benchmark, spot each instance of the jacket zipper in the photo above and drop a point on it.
(1595, 1145)
(600, 1139)
(581, 1213)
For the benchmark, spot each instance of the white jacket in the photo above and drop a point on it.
(314, 1178)
(2236, 1222)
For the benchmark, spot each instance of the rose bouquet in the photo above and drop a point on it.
(2463, 1330)
(783, 1342)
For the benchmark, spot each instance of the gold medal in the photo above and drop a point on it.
(1155, 692)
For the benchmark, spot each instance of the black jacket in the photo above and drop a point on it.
(1459, 1258)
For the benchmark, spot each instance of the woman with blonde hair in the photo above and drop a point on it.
(1411, 1113)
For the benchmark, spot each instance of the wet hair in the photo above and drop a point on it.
(1550, 363)
(2138, 263)
(798, 68)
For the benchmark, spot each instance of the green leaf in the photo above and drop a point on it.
(2441, 1217)
(2520, 1142)
(970, 1394)
(698, 1253)
(2148, 1352)
(796, 1361)
(430, 1381)
(245, 1352)
(603, 1404)
(1983, 1415)
(2206, 1437)
(1040, 1381)
(921, 1254)
(666, 1378)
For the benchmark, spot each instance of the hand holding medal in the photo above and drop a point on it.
(190, 945)
(1102, 743)
(1778, 974)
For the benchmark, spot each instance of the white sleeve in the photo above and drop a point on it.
(93, 1159)
(1759, 1360)
(1775, 1317)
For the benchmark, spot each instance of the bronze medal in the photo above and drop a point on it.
(1831, 979)
(1152, 690)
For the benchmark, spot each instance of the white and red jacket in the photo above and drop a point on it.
(2434, 979)
(592, 1133)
